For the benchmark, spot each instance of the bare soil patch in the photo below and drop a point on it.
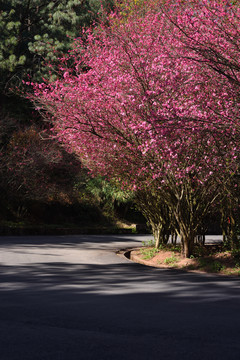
(208, 259)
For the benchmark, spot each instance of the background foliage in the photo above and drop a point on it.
(36, 31)
(35, 172)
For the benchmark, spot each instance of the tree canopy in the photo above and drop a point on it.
(158, 108)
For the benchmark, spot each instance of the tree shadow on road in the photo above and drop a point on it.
(58, 310)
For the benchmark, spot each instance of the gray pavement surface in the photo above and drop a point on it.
(73, 298)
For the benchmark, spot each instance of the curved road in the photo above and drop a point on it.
(73, 298)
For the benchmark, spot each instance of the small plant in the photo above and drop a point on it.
(149, 253)
(237, 265)
(212, 266)
(176, 248)
(236, 253)
(216, 266)
(148, 243)
(202, 262)
(162, 247)
(170, 260)
(199, 251)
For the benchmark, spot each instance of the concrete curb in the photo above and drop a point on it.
(127, 254)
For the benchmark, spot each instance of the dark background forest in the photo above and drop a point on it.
(43, 188)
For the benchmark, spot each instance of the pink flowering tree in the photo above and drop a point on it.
(152, 103)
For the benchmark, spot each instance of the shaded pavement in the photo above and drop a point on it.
(72, 297)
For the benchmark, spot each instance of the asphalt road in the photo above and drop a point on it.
(73, 298)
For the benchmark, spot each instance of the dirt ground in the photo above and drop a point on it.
(211, 259)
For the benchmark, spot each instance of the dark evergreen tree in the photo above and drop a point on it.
(31, 29)
(33, 32)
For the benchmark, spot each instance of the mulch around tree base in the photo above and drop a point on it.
(213, 261)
